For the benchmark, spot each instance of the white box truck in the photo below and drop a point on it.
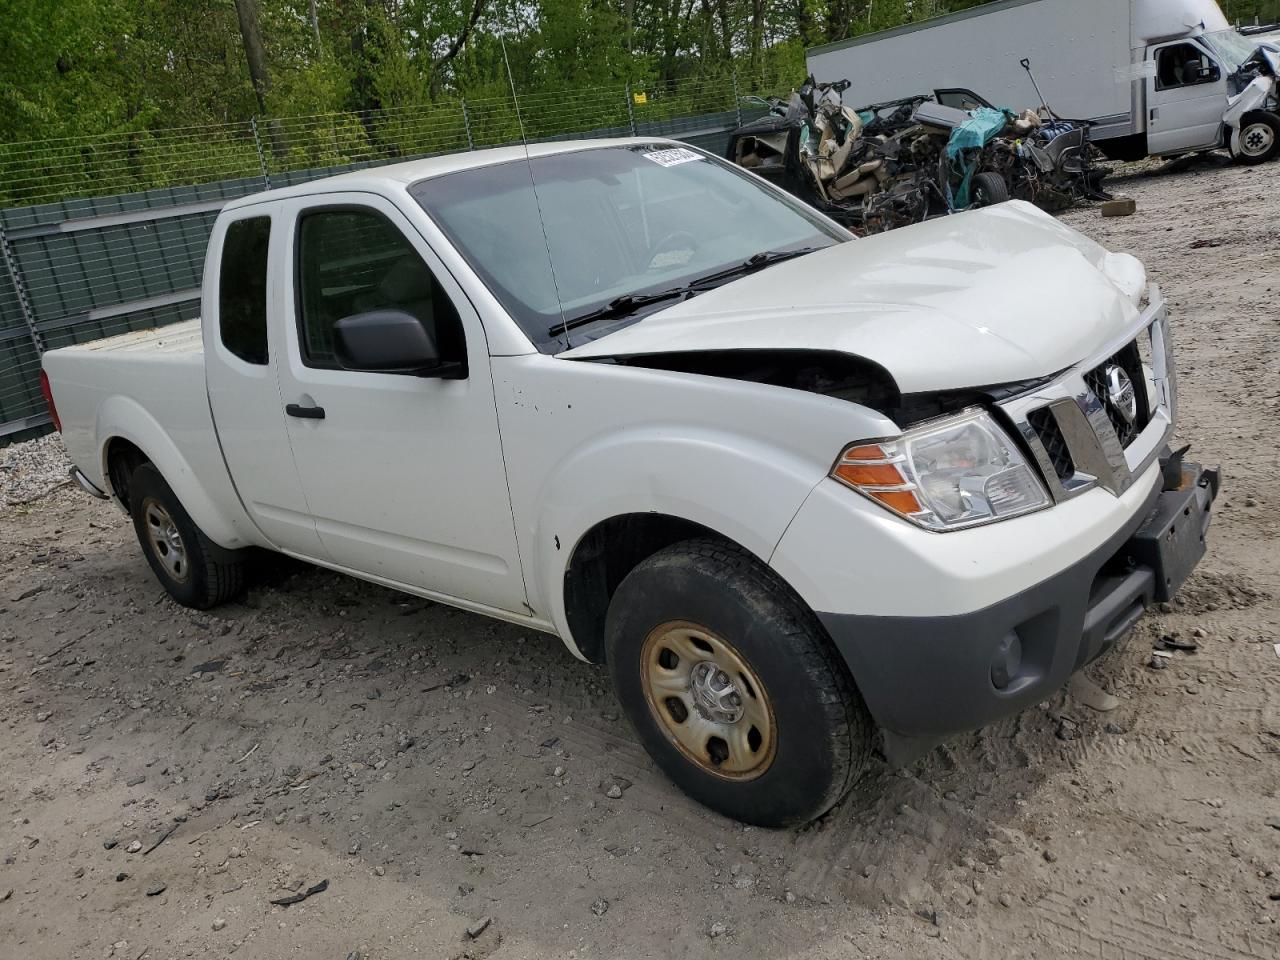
(1155, 77)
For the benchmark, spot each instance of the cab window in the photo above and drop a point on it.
(1184, 65)
(352, 261)
(242, 289)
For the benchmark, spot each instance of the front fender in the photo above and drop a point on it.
(122, 417)
(1253, 97)
(740, 487)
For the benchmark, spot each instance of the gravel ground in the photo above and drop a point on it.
(31, 470)
(469, 790)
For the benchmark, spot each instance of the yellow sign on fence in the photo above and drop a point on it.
(640, 98)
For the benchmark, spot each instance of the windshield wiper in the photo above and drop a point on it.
(618, 307)
(629, 304)
(752, 264)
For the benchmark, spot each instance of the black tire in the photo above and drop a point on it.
(989, 189)
(821, 732)
(1259, 138)
(194, 570)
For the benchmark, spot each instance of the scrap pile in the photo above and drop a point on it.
(891, 164)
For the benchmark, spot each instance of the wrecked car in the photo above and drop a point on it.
(890, 164)
(876, 168)
(806, 496)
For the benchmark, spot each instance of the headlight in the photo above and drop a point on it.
(946, 475)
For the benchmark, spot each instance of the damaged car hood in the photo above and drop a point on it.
(994, 296)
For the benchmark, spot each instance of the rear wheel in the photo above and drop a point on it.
(192, 568)
(1259, 138)
(989, 189)
(733, 686)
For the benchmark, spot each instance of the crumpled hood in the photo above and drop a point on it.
(988, 297)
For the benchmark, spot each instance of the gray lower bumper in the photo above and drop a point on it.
(925, 678)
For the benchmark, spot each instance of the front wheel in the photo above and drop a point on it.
(734, 687)
(1259, 138)
(192, 568)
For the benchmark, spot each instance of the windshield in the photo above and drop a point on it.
(620, 222)
(1232, 47)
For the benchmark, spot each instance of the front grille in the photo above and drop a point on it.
(1046, 427)
(1129, 359)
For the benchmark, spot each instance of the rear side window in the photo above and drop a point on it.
(353, 261)
(242, 289)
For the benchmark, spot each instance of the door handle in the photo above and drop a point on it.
(305, 413)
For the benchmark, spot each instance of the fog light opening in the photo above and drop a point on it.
(1007, 661)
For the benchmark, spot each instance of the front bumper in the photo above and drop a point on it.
(926, 677)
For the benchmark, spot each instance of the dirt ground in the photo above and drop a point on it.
(442, 771)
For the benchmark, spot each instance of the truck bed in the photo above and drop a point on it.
(178, 338)
(146, 388)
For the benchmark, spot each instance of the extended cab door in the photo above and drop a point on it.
(1186, 99)
(403, 473)
(239, 354)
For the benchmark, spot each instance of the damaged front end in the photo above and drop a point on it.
(827, 373)
(1253, 114)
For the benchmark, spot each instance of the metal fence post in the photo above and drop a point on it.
(466, 122)
(262, 154)
(631, 112)
(20, 288)
(737, 100)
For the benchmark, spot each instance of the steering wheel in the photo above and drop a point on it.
(675, 241)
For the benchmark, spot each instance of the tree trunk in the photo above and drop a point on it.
(255, 52)
(315, 29)
(757, 34)
(726, 30)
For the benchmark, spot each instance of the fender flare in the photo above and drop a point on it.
(126, 419)
(631, 473)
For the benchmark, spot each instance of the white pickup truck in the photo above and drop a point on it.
(806, 495)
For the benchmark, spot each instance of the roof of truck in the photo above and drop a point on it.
(414, 170)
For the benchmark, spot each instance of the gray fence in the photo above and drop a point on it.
(107, 235)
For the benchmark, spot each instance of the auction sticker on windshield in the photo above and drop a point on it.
(670, 158)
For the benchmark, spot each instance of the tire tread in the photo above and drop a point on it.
(848, 724)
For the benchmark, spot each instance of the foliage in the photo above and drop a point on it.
(104, 82)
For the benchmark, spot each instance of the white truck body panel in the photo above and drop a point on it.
(148, 388)
(585, 442)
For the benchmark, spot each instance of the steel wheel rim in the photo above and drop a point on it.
(1257, 139)
(708, 700)
(165, 540)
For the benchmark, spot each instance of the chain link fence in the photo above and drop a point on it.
(104, 234)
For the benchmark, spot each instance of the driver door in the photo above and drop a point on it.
(402, 473)
(1186, 99)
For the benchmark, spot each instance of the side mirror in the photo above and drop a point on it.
(390, 341)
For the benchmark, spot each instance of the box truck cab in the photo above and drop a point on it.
(1154, 77)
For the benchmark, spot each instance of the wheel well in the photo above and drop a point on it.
(123, 457)
(603, 558)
